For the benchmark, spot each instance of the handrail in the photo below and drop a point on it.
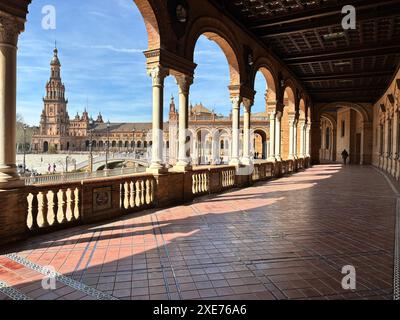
(70, 177)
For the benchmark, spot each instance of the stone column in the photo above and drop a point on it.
(291, 136)
(386, 145)
(394, 144)
(236, 101)
(278, 133)
(308, 139)
(271, 153)
(334, 143)
(8, 96)
(302, 124)
(158, 75)
(323, 139)
(295, 151)
(395, 147)
(247, 159)
(214, 147)
(184, 82)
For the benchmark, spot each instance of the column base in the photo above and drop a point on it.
(9, 178)
(11, 184)
(271, 159)
(278, 158)
(234, 162)
(157, 169)
(246, 161)
(182, 167)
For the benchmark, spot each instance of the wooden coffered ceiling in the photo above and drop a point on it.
(354, 65)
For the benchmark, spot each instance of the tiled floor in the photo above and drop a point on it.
(284, 239)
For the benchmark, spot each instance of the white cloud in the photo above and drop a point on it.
(114, 49)
(99, 14)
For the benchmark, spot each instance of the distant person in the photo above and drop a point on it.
(49, 168)
(54, 168)
(345, 155)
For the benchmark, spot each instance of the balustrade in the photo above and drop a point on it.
(201, 182)
(137, 192)
(53, 206)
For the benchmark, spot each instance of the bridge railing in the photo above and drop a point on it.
(78, 176)
(112, 157)
(45, 207)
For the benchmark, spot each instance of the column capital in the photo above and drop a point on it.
(272, 114)
(291, 118)
(158, 74)
(10, 28)
(301, 122)
(184, 82)
(248, 103)
(236, 100)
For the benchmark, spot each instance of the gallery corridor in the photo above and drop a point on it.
(282, 239)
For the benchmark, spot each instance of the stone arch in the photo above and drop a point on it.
(150, 20)
(216, 31)
(222, 140)
(261, 147)
(357, 139)
(263, 66)
(288, 114)
(329, 152)
(302, 109)
(203, 135)
(289, 99)
(268, 92)
(354, 106)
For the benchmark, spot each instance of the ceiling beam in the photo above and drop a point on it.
(328, 22)
(366, 51)
(340, 76)
(347, 89)
(319, 12)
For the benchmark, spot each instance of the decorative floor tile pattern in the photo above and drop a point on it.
(283, 239)
(10, 292)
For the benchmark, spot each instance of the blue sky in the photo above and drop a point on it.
(101, 44)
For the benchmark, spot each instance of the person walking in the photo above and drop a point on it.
(54, 168)
(49, 168)
(345, 155)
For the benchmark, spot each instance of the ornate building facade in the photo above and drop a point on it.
(209, 133)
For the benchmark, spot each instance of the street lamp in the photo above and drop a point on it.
(108, 143)
(91, 126)
(133, 142)
(24, 168)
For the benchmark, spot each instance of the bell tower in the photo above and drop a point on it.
(55, 118)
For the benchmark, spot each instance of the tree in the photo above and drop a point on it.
(20, 133)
